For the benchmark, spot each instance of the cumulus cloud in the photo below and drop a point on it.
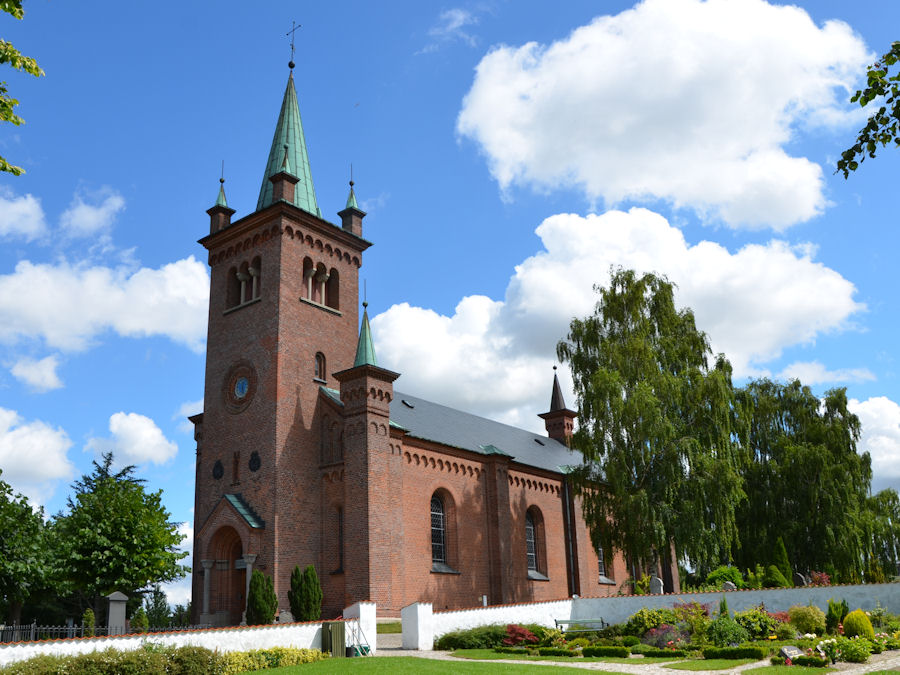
(494, 356)
(69, 306)
(880, 418)
(21, 216)
(41, 375)
(92, 214)
(451, 26)
(814, 372)
(135, 440)
(33, 456)
(184, 411)
(699, 118)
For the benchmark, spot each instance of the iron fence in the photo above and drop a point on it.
(33, 632)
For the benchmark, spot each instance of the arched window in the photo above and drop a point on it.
(332, 290)
(535, 544)
(530, 543)
(319, 368)
(309, 271)
(438, 532)
(232, 289)
(255, 272)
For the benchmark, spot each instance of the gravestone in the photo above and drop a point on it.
(800, 580)
(790, 652)
(116, 613)
(729, 586)
(656, 585)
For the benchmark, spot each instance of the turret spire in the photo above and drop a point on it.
(556, 398)
(365, 348)
(289, 150)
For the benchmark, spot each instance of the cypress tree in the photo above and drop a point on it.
(310, 592)
(780, 560)
(295, 597)
(262, 601)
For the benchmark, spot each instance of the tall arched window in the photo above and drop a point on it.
(255, 272)
(535, 544)
(332, 290)
(233, 289)
(438, 532)
(530, 543)
(319, 368)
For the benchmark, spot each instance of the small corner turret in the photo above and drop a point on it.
(559, 421)
(220, 214)
(352, 215)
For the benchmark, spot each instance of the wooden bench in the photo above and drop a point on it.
(580, 625)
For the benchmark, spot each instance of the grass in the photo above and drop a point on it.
(401, 665)
(491, 655)
(778, 670)
(709, 664)
(389, 627)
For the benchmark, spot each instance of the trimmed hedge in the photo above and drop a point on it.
(620, 652)
(756, 653)
(556, 651)
(656, 653)
(510, 650)
(810, 661)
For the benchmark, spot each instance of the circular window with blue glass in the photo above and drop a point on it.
(239, 386)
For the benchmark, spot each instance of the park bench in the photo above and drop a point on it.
(580, 625)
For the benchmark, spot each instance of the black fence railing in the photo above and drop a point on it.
(33, 632)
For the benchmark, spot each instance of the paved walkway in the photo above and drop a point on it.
(391, 645)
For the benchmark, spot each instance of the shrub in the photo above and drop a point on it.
(261, 601)
(785, 631)
(835, 615)
(517, 635)
(755, 579)
(139, 621)
(645, 619)
(481, 637)
(630, 641)
(808, 619)
(620, 652)
(726, 631)
(854, 651)
(756, 653)
(556, 651)
(781, 561)
(723, 607)
(774, 578)
(757, 622)
(663, 636)
(810, 661)
(305, 596)
(88, 622)
(695, 616)
(510, 650)
(819, 579)
(857, 623)
(725, 573)
(578, 643)
(194, 661)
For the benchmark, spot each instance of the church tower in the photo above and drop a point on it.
(282, 319)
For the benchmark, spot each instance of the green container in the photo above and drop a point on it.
(333, 641)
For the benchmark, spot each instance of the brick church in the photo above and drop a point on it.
(308, 454)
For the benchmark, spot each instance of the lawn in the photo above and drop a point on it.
(785, 670)
(401, 665)
(491, 655)
(389, 627)
(709, 664)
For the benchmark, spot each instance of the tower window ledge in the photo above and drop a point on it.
(537, 576)
(320, 380)
(240, 306)
(321, 306)
(442, 568)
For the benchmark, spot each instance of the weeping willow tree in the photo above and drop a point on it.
(656, 414)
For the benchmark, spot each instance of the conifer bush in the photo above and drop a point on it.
(262, 601)
(835, 615)
(774, 578)
(857, 623)
(808, 619)
(782, 563)
(305, 595)
(88, 622)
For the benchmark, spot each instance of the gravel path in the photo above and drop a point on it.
(391, 645)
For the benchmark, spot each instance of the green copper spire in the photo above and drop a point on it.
(220, 200)
(365, 348)
(289, 150)
(351, 199)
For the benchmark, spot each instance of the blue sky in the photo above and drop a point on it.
(507, 154)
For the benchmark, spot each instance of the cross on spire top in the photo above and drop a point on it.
(290, 33)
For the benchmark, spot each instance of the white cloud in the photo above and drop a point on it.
(69, 306)
(84, 219)
(494, 356)
(184, 411)
(880, 418)
(813, 372)
(33, 456)
(135, 440)
(179, 592)
(688, 101)
(39, 375)
(451, 26)
(21, 216)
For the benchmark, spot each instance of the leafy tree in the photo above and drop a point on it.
(261, 601)
(22, 550)
(655, 426)
(12, 56)
(305, 595)
(181, 615)
(882, 531)
(139, 622)
(115, 536)
(156, 606)
(883, 126)
(780, 560)
(89, 622)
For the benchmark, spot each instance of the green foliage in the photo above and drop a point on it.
(835, 615)
(654, 425)
(810, 661)
(725, 573)
(723, 607)
(139, 622)
(233, 663)
(785, 631)
(116, 536)
(857, 623)
(89, 622)
(181, 615)
(774, 578)
(695, 616)
(522, 651)
(881, 128)
(756, 578)
(780, 560)
(23, 549)
(157, 608)
(556, 651)
(305, 595)
(756, 653)
(757, 622)
(618, 652)
(12, 56)
(630, 640)
(725, 631)
(809, 619)
(481, 637)
(261, 601)
(644, 619)
(856, 650)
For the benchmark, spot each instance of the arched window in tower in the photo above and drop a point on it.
(438, 532)
(255, 277)
(319, 281)
(535, 543)
(332, 290)
(309, 271)
(232, 289)
(244, 279)
(319, 372)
